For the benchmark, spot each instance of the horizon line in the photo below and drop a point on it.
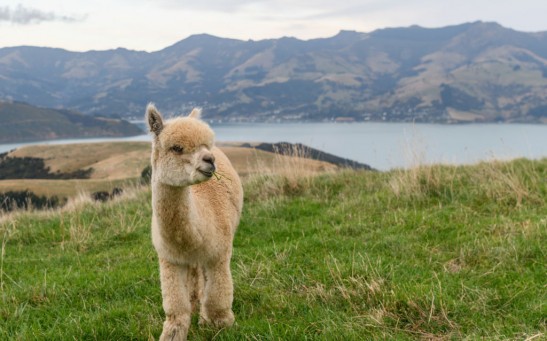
(273, 38)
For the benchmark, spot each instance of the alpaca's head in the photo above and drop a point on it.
(181, 150)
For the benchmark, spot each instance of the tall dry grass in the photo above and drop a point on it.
(501, 182)
(78, 218)
(6, 231)
(507, 182)
(290, 171)
(79, 231)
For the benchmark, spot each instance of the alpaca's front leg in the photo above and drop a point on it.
(216, 308)
(176, 301)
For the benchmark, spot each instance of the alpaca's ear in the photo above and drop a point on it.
(196, 113)
(154, 119)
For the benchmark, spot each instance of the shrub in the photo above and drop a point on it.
(104, 196)
(14, 200)
(35, 168)
(146, 174)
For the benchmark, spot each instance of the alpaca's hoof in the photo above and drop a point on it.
(174, 330)
(218, 320)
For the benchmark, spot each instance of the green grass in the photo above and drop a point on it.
(434, 252)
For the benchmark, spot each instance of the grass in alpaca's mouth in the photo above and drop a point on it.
(219, 176)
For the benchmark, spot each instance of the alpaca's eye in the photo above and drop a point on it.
(177, 149)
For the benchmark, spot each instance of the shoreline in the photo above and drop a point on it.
(383, 146)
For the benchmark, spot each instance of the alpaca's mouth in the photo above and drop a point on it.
(206, 173)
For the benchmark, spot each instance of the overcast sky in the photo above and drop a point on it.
(151, 25)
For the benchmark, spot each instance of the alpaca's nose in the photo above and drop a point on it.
(210, 159)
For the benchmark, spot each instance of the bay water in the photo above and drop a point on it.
(383, 145)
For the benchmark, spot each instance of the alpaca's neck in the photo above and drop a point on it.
(176, 213)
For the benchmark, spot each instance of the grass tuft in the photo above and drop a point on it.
(505, 184)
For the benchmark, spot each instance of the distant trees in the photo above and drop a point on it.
(31, 168)
(34, 168)
(540, 111)
(104, 196)
(13, 200)
(453, 97)
(146, 174)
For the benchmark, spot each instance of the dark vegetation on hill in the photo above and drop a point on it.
(477, 71)
(301, 150)
(104, 196)
(31, 168)
(34, 168)
(26, 200)
(24, 122)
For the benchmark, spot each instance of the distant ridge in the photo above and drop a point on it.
(473, 72)
(303, 151)
(21, 122)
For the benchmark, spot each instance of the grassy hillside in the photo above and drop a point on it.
(24, 122)
(430, 253)
(118, 163)
(109, 160)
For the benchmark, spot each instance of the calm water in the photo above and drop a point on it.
(387, 145)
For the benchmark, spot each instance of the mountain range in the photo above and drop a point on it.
(473, 72)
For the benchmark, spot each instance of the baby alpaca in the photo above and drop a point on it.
(194, 221)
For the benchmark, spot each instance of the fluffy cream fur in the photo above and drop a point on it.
(194, 221)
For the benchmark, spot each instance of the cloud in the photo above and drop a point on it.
(281, 7)
(291, 10)
(25, 16)
(228, 6)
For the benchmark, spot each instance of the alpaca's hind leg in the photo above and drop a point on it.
(216, 308)
(176, 301)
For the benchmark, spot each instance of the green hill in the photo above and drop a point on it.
(429, 253)
(24, 122)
